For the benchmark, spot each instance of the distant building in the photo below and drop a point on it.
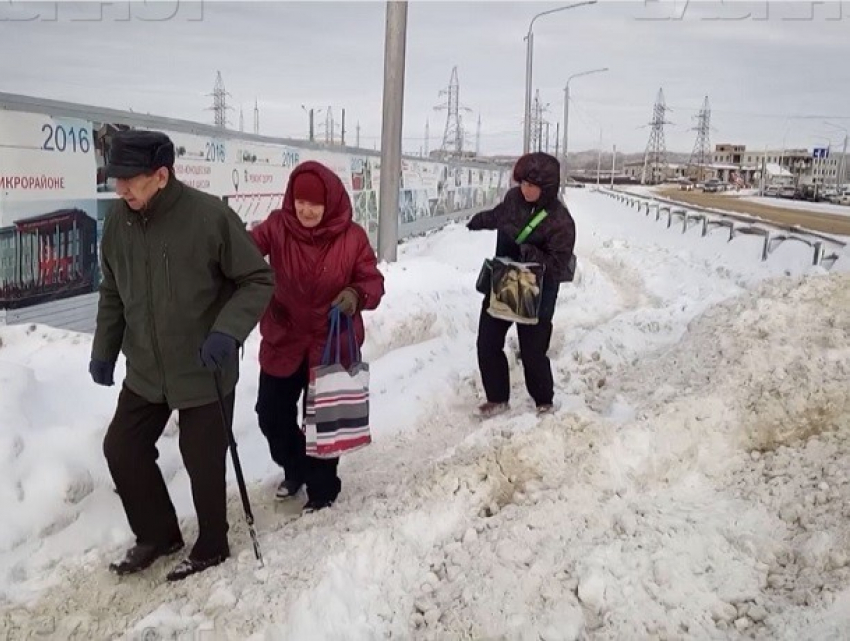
(786, 167)
(667, 173)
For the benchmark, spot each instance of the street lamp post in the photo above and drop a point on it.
(309, 113)
(564, 174)
(395, 49)
(529, 53)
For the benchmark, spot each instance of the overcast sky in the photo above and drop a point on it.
(773, 71)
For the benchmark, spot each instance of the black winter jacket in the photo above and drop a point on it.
(550, 244)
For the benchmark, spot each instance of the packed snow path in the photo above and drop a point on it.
(693, 483)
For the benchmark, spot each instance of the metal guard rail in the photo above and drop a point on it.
(774, 234)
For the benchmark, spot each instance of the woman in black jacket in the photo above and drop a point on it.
(551, 243)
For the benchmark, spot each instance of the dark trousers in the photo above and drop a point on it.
(131, 453)
(277, 412)
(533, 348)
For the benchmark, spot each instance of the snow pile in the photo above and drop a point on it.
(778, 357)
(46, 442)
(671, 524)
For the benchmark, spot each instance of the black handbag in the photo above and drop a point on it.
(485, 276)
(517, 291)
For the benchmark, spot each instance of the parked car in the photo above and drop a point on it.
(713, 185)
(838, 195)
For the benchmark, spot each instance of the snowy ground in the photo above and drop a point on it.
(751, 195)
(695, 482)
(818, 208)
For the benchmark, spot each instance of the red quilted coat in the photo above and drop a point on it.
(311, 267)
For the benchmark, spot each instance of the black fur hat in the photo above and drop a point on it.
(540, 169)
(137, 152)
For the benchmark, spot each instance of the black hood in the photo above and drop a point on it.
(543, 170)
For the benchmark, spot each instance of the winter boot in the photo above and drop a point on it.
(545, 409)
(314, 505)
(287, 489)
(190, 566)
(489, 410)
(142, 556)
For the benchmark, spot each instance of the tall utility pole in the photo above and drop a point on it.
(241, 119)
(427, 137)
(256, 117)
(539, 123)
(557, 138)
(564, 151)
(564, 171)
(393, 107)
(357, 139)
(702, 147)
(599, 159)
(478, 137)
(311, 131)
(656, 149)
(529, 55)
(342, 129)
(613, 165)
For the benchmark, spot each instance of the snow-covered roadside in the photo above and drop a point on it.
(628, 513)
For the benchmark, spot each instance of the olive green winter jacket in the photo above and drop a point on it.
(173, 273)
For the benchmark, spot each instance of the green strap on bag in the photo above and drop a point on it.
(531, 226)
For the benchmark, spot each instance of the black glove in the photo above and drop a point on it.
(528, 254)
(474, 224)
(217, 348)
(102, 372)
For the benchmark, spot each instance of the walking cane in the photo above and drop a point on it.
(237, 467)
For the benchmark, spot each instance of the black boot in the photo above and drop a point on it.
(191, 566)
(142, 556)
(314, 505)
(288, 489)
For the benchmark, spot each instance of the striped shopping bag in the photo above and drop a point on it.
(336, 419)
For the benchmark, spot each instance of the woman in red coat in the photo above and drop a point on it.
(321, 258)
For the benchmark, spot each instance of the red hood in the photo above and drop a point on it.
(338, 214)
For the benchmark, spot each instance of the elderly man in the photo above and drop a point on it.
(183, 285)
